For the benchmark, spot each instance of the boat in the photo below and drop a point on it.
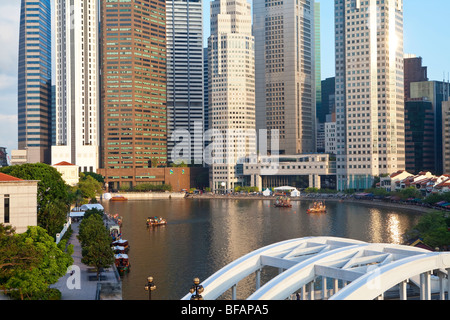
(118, 198)
(317, 207)
(283, 202)
(122, 263)
(155, 221)
(121, 243)
(120, 249)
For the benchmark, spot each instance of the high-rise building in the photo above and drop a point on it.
(413, 72)
(77, 84)
(184, 27)
(205, 90)
(446, 137)
(419, 136)
(369, 91)
(133, 82)
(286, 72)
(317, 54)
(231, 85)
(436, 92)
(34, 80)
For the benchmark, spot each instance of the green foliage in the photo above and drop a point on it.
(89, 187)
(432, 228)
(52, 196)
(96, 176)
(152, 187)
(30, 262)
(95, 242)
(246, 189)
(408, 193)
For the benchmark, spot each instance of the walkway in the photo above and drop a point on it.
(82, 284)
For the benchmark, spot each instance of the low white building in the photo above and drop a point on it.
(69, 172)
(18, 202)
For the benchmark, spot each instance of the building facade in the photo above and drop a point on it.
(18, 202)
(285, 72)
(419, 136)
(34, 80)
(77, 84)
(369, 91)
(133, 82)
(446, 137)
(436, 92)
(184, 34)
(231, 84)
(413, 72)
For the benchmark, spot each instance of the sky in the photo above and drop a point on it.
(426, 34)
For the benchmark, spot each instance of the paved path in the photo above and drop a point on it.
(82, 285)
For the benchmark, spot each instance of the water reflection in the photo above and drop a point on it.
(202, 236)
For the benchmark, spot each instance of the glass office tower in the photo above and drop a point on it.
(34, 80)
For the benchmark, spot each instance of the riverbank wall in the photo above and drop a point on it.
(148, 195)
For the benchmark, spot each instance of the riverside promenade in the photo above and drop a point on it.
(80, 282)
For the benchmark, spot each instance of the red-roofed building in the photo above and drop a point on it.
(18, 202)
(69, 172)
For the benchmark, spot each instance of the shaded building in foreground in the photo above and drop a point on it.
(133, 87)
(419, 136)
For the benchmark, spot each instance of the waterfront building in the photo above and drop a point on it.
(285, 72)
(327, 100)
(299, 171)
(437, 92)
(133, 82)
(231, 68)
(77, 84)
(18, 202)
(369, 91)
(184, 34)
(419, 136)
(205, 90)
(330, 135)
(34, 80)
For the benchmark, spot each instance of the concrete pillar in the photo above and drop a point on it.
(233, 293)
(252, 180)
(258, 279)
(311, 290)
(258, 179)
(335, 285)
(324, 288)
(402, 289)
(314, 181)
(441, 286)
(448, 284)
(425, 286)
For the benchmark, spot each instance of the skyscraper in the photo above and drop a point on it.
(231, 84)
(184, 34)
(77, 84)
(34, 80)
(285, 72)
(369, 90)
(133, 82)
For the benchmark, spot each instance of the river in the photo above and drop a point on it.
(204, 235)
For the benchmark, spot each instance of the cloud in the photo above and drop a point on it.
(8, 132)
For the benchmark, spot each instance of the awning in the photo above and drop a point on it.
(285, 188)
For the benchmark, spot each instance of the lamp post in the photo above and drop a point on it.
(150, 286)
(196, 290)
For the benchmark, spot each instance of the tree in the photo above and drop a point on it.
(95, 242)
(38, 262)
(89, 187)
(432, 228)
(52, 197)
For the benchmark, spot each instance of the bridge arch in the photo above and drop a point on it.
(365, 270)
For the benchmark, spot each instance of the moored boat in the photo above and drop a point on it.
(122, 263)
(118, 198)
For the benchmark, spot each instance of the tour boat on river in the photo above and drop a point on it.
(155, 221)
(283, 202)
(318, 207)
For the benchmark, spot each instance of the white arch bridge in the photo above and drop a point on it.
(348, 270)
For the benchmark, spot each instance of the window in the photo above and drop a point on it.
(6, 208)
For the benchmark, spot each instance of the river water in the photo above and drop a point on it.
(204, 235)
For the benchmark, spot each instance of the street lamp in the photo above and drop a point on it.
(197, 288)
(150, 286)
